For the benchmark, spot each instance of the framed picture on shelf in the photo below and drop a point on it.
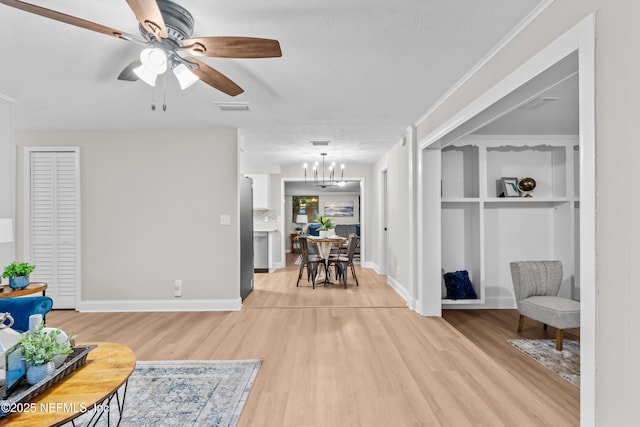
(510, 187)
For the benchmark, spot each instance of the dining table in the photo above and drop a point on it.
(324, 245)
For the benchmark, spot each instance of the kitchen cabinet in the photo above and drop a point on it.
(261, 191)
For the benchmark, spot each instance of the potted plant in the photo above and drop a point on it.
(40, 349)
(18, 274)
(326, 226)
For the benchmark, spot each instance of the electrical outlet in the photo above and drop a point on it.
(177, 288)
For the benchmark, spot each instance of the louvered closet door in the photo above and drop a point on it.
(54, 224)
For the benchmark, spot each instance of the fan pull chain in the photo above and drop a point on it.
(153, 98)
(164, 93)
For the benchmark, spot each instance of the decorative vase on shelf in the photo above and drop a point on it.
(526, 186)
(37, 373)
(18, 282)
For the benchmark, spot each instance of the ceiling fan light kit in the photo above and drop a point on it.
(167, 29)
(184, 75)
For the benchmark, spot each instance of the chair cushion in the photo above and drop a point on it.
(459, 286)
(561, 313)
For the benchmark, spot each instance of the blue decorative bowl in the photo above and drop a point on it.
(18, 282)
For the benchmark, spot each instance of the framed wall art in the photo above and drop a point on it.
(338, 209)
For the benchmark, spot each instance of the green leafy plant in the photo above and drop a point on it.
(40, 346)
(325, 223)
(16, 269)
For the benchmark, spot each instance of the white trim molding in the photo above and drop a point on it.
(493, 52)
(113, 306)
(400, 290)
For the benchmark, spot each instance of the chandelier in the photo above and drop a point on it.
(324, 178)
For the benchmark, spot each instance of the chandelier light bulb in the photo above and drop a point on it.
(327, 177)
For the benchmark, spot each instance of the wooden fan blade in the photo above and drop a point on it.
(233, 47)
(215, 78)
(67, 19)
(127, 74)
(148, 14)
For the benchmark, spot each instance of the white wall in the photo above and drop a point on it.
(617, 154)
(6, 176)
(399, 235)
(151, 206)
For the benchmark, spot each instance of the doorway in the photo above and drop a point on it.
(52, 221)
(352, 195)
(579, 39)
(384, 210)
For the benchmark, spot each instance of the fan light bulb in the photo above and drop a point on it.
(154, 59)
(184, 75)
(154, 62)
(145, 75)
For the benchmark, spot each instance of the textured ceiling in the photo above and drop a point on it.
(356, 73)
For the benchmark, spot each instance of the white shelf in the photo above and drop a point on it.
(462, 301)
(461, 200)
(482, 233)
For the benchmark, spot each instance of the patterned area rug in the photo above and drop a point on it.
(186, 393)
(565, 363)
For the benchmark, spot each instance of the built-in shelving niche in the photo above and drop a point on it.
(482, 232)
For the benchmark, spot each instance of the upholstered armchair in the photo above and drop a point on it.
(536, 285)
(21, 308)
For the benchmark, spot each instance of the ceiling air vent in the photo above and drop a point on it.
(320, 143)
(538, 102)
(233, 106)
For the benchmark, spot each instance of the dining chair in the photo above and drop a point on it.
(342, 262)
(310, 261)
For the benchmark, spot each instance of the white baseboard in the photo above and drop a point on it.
(371, 265)
(159, 305)
(400, 290)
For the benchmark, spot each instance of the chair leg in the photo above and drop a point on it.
(300, 274)
(520, 323)
(311, 270)
(353, 273)
(559, 339)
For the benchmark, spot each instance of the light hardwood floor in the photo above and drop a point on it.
(354, 357)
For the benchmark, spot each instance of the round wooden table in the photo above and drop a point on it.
(32, 288)
(324, 250)
(93, 388)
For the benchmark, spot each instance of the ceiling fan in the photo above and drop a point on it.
(167, 29)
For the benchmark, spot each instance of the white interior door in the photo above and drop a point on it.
(383, 222)
(53, 222)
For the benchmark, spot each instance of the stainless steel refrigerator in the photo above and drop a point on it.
(246, 236)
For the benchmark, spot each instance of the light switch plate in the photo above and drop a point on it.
(225, 219)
